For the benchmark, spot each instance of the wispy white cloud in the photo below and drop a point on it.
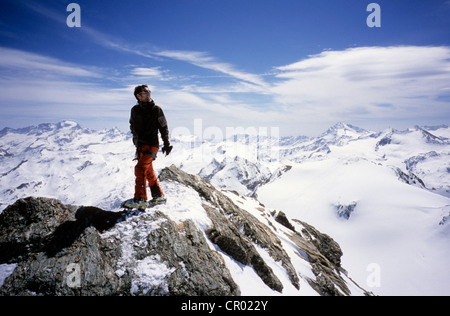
(197, 58)
(367, 83)
(46, 11)
(19, 60)
(46, 88)
(204, 60)
(147, 72)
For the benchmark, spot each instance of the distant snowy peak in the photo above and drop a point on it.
(61, 128)
(429, 137)
(345, 130)
(52, 136)
(298, 149)
(43, 128)
(418, 135)
(340, 134)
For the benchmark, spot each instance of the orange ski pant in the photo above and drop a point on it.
(144, 173)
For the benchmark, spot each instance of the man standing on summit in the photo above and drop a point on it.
(145, 121)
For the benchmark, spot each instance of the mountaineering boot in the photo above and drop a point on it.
(158, 201)
(134, 204)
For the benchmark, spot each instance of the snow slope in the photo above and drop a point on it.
(384, 197)
(393, 226)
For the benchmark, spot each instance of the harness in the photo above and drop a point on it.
(148, 152)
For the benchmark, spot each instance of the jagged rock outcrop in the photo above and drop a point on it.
(325, 258)
(47, 239)
(235, 230)
(68, 250)
(77, 250)
(410, 178)
(323, 253)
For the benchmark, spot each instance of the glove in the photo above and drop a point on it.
(167, 149)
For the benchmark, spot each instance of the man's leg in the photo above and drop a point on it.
(141, 172)
(139, 188)
(151, 177)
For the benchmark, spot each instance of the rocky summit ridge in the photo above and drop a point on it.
(55, 249)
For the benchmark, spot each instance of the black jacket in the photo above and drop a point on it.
(145, 121)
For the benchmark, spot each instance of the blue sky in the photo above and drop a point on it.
(297, 65)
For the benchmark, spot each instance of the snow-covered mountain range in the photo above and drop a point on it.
(383, 196)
